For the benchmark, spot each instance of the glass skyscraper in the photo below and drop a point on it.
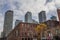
(8, 22)
(42, 16)
(28, 17)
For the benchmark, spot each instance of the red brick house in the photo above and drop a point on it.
(58, 12)
(23, 31)
(26, 31)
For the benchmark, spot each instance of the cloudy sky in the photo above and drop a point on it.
(20, 7)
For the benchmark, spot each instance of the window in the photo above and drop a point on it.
(28, 38)
(16, 33)
(22, 25)
(49, 33)
(25, 38)
(22, 38)
(57, 31)
(43, 34)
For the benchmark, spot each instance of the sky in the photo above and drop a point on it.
(20, 7)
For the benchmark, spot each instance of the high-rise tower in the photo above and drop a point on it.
(42, 16)
(8, 22)
(17, 22)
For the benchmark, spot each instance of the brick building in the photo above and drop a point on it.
(53, 29)
(23, 31)
(58, 12)
(26, 31)
(3, 38)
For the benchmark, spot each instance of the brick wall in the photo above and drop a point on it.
(22, 31)
(58, 12)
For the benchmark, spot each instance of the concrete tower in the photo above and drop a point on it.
(8, 22)
(42, 16)
(28, 17)
(17, 22)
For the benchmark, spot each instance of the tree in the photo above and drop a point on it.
(40, 28)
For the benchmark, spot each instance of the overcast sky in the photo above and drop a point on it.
(20, 7)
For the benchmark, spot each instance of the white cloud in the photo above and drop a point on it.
(57, 2)
(35, 6)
